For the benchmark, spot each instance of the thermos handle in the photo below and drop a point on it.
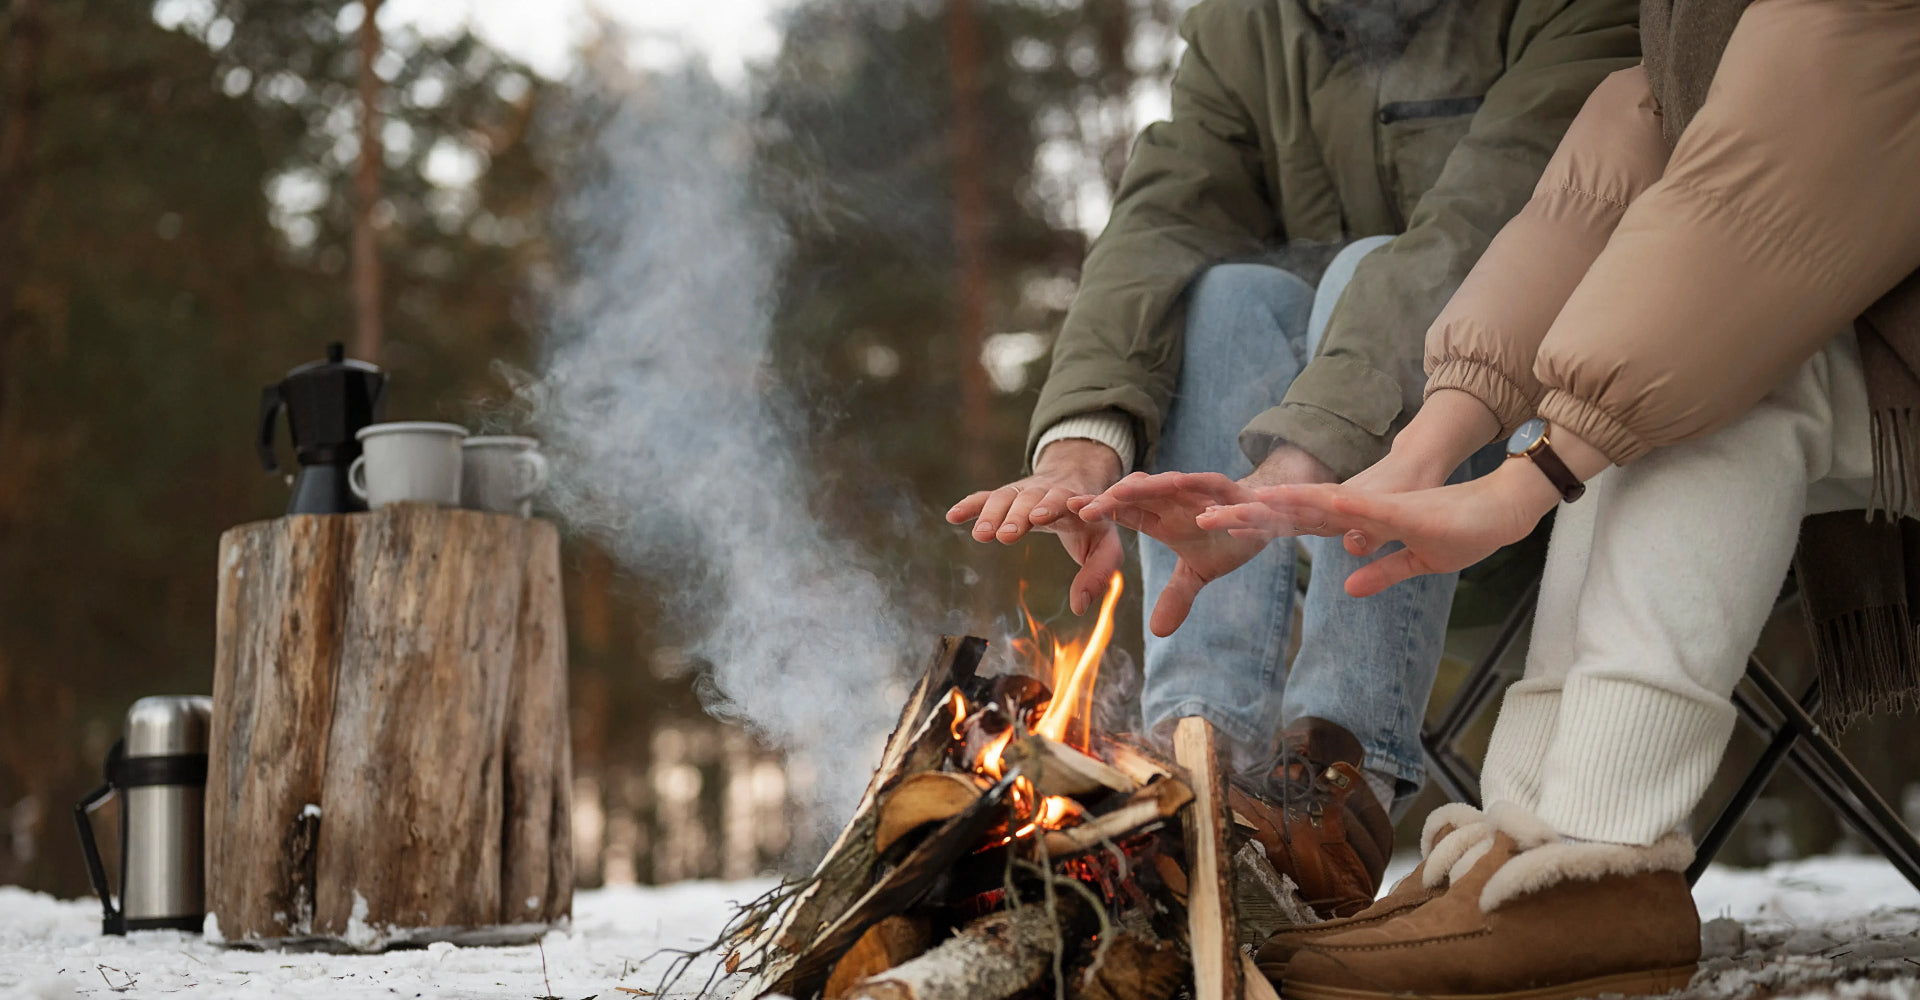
(112, 921)
(270, 403)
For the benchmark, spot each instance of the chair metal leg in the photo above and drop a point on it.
(1835, 779)
(1781, 741)
(1477, 691)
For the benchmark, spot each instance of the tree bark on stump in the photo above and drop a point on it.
(390, 755)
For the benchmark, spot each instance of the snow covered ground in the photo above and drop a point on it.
(1828, 927)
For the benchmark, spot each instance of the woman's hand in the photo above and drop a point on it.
(1443, 530)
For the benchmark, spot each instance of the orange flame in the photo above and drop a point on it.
(1075, 668)
(1067, 718)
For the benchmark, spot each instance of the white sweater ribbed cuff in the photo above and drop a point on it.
(1630, 760)
(1115, 430)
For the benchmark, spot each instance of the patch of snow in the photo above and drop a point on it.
(51, 948)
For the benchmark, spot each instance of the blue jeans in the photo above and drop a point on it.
(1365, 664)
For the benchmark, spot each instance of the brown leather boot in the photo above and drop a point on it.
(1450, 831)
(1535, 918)
(1319, 822)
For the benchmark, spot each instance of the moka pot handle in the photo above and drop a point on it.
(271, 402)
(112, 920)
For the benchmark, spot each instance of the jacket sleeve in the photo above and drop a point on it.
(1487, 337)
(1192, 194)
(1790, 205)
(1367, 378)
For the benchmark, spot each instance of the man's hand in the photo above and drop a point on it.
(1068, 468)
(1166, 506)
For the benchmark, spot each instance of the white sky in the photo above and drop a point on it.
(544, 33)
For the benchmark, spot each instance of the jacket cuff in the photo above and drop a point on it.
(1594, 425)
(1109, 427)
(1511, 404)
(1345, 447)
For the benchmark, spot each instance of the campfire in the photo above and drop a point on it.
(1007, 847)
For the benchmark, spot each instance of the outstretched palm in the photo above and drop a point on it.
(1166, 507)
(1443, 530)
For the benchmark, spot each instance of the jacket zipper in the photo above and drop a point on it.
(1446, 107)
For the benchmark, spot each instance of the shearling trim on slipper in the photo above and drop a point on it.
(1445, 820)
(1527, 830)
(1445, 856)
(1550, 864)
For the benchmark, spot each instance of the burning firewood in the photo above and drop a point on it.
(1161, 799)
(1058, 769)
(919, 742)
(921, 799)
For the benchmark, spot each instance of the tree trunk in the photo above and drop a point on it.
(366, 194)
(389, 760)
(22, 47)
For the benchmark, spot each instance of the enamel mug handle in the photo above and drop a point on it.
(357, 477)
(535, 476)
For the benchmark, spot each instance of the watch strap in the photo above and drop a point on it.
(1557, 473)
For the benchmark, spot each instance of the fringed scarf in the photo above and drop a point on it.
(1859, 571)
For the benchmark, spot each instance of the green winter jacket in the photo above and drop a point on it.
(1273, 142)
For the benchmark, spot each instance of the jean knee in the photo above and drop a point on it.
(1237, 308)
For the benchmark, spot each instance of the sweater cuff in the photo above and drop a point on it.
(1511, 404)
(1109, 427)
(1630, 760)
(1594, 425)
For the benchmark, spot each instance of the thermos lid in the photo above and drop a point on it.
(169, 725)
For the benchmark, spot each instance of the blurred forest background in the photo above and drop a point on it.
(179, 200)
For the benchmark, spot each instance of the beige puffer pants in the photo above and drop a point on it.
(1657, 584)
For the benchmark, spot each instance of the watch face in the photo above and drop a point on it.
(1527, 436)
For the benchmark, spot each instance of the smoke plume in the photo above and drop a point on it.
(675, 445)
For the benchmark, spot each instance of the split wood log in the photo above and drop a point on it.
(1134, 968)
(389, 760)
(1211, 937)
(992, 958)
(1161, 799)
(886, 944)
(1134, 762)
(899, 888)
(1058, 769)
(927, 797)
(918, 743)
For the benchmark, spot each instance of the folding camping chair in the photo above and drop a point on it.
(1785, 723)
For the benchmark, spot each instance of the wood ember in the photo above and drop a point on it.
(1159, 800)
(992, 958)
(921, 799)
(886, 944)
(1133, 968)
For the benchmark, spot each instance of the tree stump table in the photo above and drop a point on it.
(390, 759)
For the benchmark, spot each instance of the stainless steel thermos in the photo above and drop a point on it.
(159, 771)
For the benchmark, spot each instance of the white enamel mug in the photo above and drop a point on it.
(501, 474)
(408, 462)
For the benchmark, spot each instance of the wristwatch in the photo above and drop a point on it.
(1530, 441)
